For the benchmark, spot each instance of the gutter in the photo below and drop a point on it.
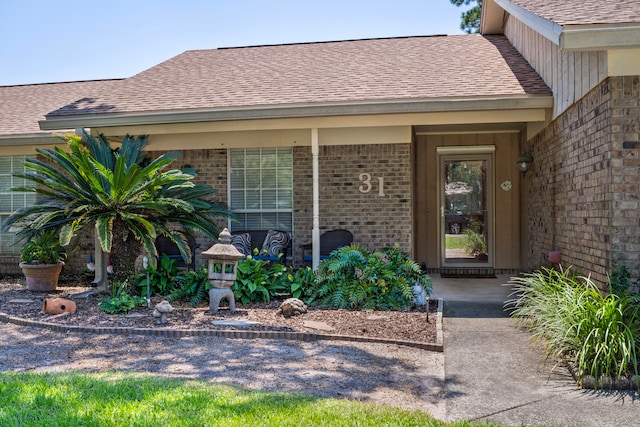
(93, 120)
(30, 139)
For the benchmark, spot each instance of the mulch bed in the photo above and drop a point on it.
(416, 325)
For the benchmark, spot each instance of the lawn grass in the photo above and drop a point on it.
(455, 241)
(119, 399)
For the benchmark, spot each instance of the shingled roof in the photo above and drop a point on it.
(358, 71)
(22, 106)
(584, 12)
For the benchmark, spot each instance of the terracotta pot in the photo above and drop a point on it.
(41, 277)
(58, 306)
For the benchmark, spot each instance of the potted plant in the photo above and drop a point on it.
(42, 258)
(476, 241)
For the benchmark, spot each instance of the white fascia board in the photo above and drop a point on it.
(29, 139)
(297, 111)
(546, 28)
(598, 37)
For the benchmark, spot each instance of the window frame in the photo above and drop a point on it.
(282, 192)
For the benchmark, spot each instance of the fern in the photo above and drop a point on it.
(194, 286)
(354, 278)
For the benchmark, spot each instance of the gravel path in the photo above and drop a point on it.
(386, 374)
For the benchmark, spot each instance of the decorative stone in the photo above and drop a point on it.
(223, 261)
(621, 383)
(588, 381)
(376, 317)
(135, 315)
(318, 325)
(21, 301)
(419, 295)
(162, 309)
(235, 322)
(292, 307)
(217, 294)
(605, 382)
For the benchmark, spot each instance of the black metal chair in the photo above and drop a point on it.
(164, 245)
(329, 242)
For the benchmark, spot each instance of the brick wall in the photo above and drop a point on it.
(625, 168)
(582, 188)
(375, 220)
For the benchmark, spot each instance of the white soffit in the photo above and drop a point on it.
(546, 28)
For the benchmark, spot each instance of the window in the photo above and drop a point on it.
(11, 201)
(261, 188)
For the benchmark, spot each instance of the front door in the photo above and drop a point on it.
(466, 202)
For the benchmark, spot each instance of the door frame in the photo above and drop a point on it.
(479, 152)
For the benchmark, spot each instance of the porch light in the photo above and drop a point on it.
(525, 160)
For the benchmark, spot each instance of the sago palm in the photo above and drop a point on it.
(128, 198)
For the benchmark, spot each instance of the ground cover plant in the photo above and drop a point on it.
(354, 278)
(257, 281)
(117, 399)
(598, 333)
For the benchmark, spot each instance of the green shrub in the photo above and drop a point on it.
(610, 334)
(475, 241)
(261, 281)
(163, 279)
(252, 281)
(120, 301)
(354, 278)
(619, 280)
(576, 323)
(42, 247)
(193, 286)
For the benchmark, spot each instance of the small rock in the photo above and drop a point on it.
(292, 307)
(588, 381)
(622, 383)
(605, 382)
(21, 301)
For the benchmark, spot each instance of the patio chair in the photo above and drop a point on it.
(164, 245)
(329, 242)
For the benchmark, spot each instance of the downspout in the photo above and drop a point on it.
(315, 233)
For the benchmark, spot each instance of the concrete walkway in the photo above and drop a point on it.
(494, 374)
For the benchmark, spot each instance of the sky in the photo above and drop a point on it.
(44, 41)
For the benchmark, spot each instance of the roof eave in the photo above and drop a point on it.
(546, 28)
(29, 139)
(567, 37)
(296, 111)
(592, 37)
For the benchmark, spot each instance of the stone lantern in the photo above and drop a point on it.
(223, 267)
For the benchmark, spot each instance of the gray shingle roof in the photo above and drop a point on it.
(583, 12)
(375, 70)
(22, 106)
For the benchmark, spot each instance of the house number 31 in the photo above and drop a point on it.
(366, 186)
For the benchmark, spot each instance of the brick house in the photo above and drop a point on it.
(412, 140)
